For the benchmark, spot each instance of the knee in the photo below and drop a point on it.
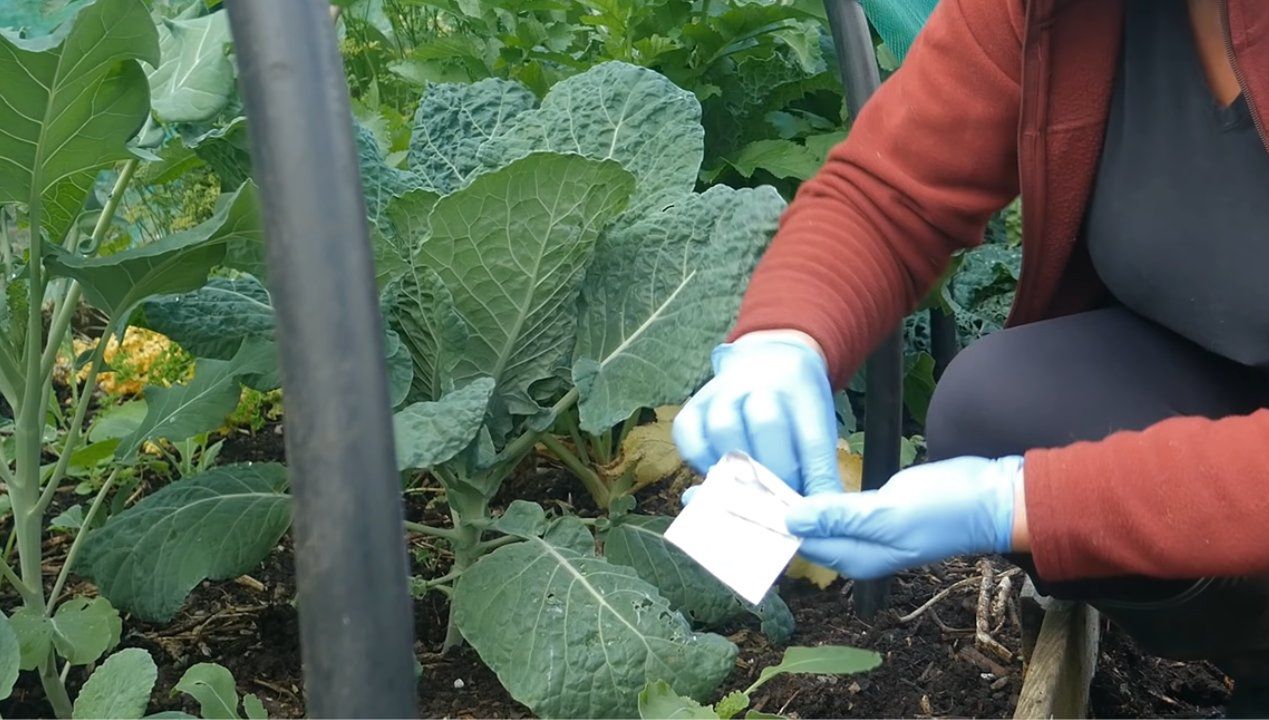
(970, 412)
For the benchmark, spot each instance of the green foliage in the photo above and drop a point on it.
(659, 700)
(213, 687)
(70, 104)
(637, 541)
(216, 526)
(120, 688)
(194, 81)
(599, 631)
(10, 657)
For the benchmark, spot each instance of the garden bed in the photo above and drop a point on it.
(930, 668)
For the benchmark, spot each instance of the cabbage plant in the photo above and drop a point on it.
(538, 258)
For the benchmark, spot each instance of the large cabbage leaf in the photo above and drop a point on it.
(571, 635)
(621, 112)
(512, 248)
(661, 293)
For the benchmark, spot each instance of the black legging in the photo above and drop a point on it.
(1081, 377)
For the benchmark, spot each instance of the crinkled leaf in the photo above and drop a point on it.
(212, 685)
(214, 320)
(83, 629)
(10, 657)
(597, 633)
(195, 79)
(658, 701)
(215, 526)
(380, 182)
(176, 264)
(403, 228)
(119, 689)
(616, 111)
(512, 248)
(660, 295)
(182, 411)
(423, 314)
(638, 541)
(429, 433)
(822, 660)
(453, 121)
(68, 104)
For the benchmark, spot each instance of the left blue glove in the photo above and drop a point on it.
(924, 514)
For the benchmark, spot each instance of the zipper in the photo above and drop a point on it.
(1238, 74)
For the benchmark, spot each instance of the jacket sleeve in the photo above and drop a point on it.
(928, 161)
(1185, 498)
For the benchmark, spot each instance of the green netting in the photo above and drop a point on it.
(898, 21)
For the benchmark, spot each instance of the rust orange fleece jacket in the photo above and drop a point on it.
(996, 99)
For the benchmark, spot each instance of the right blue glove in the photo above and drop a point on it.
(770, 398)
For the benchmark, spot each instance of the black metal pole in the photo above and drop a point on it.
(883, 401)
(944, 342)
(356, 627)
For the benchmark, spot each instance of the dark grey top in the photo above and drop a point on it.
(1178, 224)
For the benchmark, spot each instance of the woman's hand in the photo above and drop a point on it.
(926, 513)
(769, 398)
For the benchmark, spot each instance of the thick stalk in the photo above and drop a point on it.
(466, 510)
(73, 553)
(594, 485)
(30, 419)
(55, 687)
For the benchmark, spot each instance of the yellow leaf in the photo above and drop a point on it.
(851, 468)
(649, 451)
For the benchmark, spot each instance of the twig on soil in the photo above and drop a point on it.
(974, 656)
(948, 629)
(966, 582)
(982, 618)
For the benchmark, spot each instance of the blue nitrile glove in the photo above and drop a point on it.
(770, 398)
(927, 513)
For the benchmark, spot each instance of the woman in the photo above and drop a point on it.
(1113, 439)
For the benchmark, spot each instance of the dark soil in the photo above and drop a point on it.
(931, 666)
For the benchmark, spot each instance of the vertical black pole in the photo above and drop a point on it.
(356, 628)
(883, 401)
(944, 342)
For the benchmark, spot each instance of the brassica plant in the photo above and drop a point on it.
(538, 258)
(75, 108)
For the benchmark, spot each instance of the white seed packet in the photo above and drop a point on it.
(734, 526)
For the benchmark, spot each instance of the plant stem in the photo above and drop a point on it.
(24, 492)
(70, 302)
(594, 485)
(446, 533)
(73, 553)
(450, 576)
(77, 423)
(522, 444)
(7, 572)
(575, 433)
(54, 688)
